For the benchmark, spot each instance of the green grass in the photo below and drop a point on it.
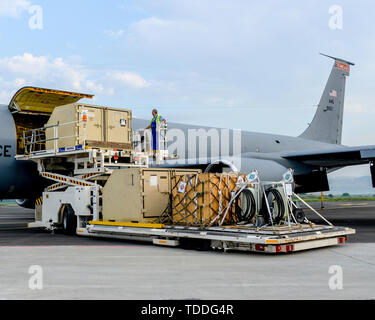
(8, 203)
(328, 199)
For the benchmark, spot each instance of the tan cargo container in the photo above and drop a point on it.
(106, 128)
(201, 199)
(138, 194)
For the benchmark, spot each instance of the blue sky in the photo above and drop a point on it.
(209, 62)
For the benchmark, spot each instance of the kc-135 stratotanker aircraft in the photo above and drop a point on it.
(313, 154)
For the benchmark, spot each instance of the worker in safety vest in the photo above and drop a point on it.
(154, 125)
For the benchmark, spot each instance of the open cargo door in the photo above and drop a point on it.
(42, 101)
(31, 108)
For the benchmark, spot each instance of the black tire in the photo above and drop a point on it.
(299, 215)
(69, 220)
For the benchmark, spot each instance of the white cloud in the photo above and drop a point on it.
(42, 69)
(360, 108)
(130, 79)
(13, 8)
(148, 24)
(114, 34)
(351, 172)
(159, 34)
(4, 96)
(355, 108)
(65, 74)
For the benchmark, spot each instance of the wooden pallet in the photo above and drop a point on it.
(202, 199)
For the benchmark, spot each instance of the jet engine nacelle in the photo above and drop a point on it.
(26, 203)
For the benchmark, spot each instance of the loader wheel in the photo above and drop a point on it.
(299, 215)
(69, 220)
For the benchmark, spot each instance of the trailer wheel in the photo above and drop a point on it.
(69, 220)
(299, 215)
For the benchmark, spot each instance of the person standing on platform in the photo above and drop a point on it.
(154, 126)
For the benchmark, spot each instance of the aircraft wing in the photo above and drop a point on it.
(335, 157)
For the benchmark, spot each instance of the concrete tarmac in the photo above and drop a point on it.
(85, 268)
(148, 272)
(13, 223)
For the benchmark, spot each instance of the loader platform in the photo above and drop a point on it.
(246, 238)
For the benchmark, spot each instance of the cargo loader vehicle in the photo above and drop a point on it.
(105, 181)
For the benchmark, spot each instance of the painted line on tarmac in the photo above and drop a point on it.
(69, 246)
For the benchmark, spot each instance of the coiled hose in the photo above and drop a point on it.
(276, 205)
(245, 207)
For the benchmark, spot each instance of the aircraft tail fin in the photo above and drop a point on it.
(327, 123)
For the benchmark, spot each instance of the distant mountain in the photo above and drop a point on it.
(352, 185)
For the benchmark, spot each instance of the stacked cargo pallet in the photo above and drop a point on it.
(90, 126)
(203, 199)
